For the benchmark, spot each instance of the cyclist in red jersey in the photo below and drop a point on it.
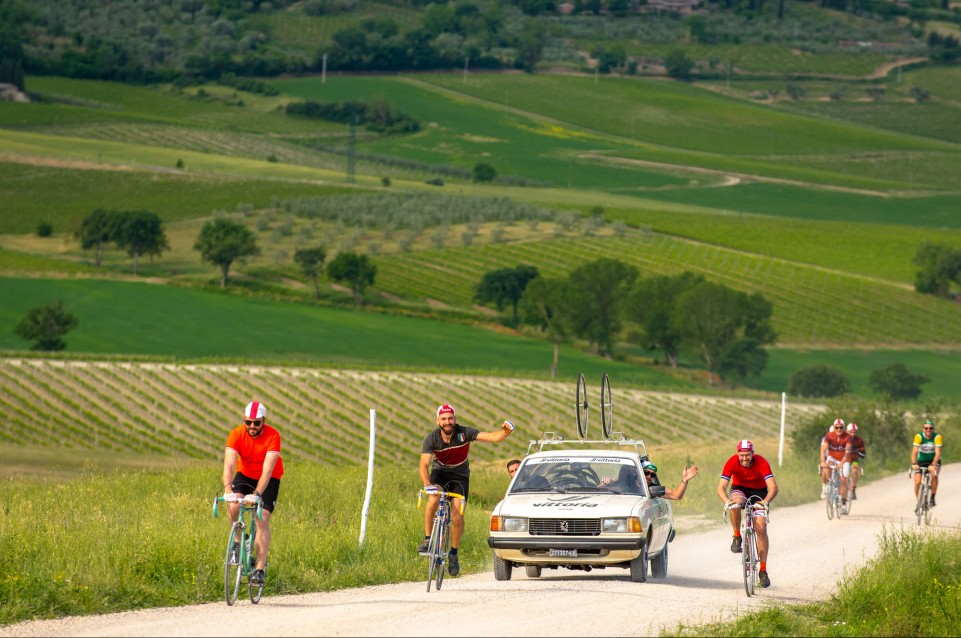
(444, 465)
(749, 474)
(836, 449)
(254, 450)
(857, 455)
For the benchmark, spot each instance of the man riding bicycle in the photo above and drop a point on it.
(837, 445)
(857, 448)
(444, 466)
(926, 453)
(254, 448)
(749, 474)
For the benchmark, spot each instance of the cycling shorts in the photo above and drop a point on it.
(246, 485)
(845, 467)
(928, 464)
(451, 482)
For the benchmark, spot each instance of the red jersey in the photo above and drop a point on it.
(253, 451)
(838, 444)
(754, 476)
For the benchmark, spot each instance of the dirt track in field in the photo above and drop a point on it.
(702, 585)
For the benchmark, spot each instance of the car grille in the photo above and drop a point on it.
(564, 526)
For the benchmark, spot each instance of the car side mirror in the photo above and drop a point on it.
(657, 491)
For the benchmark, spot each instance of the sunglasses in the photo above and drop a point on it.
(928, 427)
(838, 428)
(257, 422)
(648, 473)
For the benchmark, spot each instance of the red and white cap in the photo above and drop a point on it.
(853, 428)
(745, 446)
(839, 422)
(445, 409)
(255, 410)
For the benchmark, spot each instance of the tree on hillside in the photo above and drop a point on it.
(484, 172)
(717, 321)
(221, 242)
(504, 286)
(940, 265)
(46, 326)
(543, 304)
(897, 382)
(651, 304)
(598, 289)
(97, 230)
(141, 232)
(678, 65)
(354, 270)
(311, 262)
(818, 381)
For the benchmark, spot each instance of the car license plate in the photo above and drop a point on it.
(566, 553)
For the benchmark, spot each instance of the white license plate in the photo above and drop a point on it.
(566, 553)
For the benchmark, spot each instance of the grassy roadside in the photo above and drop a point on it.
(112, 538)
(910, 589)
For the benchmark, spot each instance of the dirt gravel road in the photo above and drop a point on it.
(809, 555)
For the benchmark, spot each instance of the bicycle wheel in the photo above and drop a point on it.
(232, 571)
(580, 408)
(829, 499)
(432, 552)
(607, 407)
(256, 592)
(747, 560)
(919, 509)
(444, 551)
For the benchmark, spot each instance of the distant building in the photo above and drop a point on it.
(565, 8)
(10, 93)
(677, 6)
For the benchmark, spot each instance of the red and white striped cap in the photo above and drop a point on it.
(744, 445)
(255, 410)
(445, 409)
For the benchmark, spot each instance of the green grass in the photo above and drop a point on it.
(64, 196)
(134, 318)
(942, 368)
(909, 589)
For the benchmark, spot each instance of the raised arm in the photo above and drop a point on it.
(498, 435)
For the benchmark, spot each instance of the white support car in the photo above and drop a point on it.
(584, 509)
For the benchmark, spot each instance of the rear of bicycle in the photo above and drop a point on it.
(240, 558)
(922, 509)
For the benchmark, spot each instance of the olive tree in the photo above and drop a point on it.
(46, 325)
(221, 242)
(354, 270)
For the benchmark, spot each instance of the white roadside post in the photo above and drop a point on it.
(780, 447)
(370, 475)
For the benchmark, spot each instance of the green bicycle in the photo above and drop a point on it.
(438, 549)
(241, 557)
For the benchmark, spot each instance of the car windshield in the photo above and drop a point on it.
(578, 474)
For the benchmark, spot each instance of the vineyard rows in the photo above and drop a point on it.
(811, 305)
(323, 415)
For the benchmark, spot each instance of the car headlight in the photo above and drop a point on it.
(621, 525)
(508, 524)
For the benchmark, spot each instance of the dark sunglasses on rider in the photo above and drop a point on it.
(257, 422)
(838, 428)
(648, 473)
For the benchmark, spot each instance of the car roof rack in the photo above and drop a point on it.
(617, 439)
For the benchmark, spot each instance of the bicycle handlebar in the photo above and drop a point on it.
(244, 506)
(751, 501)
(441, 493)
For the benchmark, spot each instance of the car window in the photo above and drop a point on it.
(587, 474)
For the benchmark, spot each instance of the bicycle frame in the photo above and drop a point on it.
(440, 540)
(246, 530)
(923, 508)
(750, 558)
(833, 498)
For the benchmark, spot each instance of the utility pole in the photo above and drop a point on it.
(323, 71)
(466, 60)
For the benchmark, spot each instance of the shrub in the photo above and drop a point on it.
(897, 382)
(818, 381)
(44, 229)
